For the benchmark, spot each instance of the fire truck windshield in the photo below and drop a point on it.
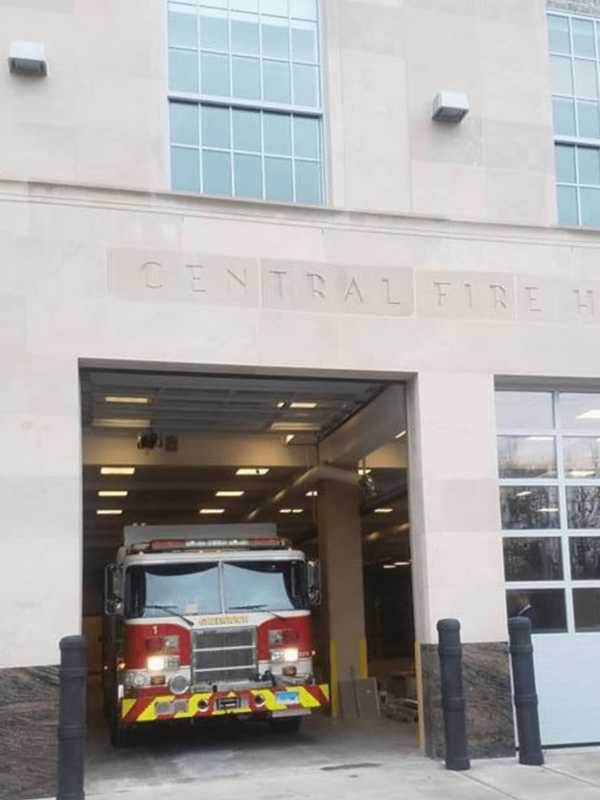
(214, 587)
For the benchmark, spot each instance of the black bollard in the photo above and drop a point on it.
(526, 701)
(71, 718)
(453, 699)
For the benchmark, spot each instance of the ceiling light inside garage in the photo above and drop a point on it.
(117, 470)
(139, 401)
(227, 493)
(106, 512)
(384, 510)
(297, 427)
(110, 493)
(256, 471)
(120, 422)
(206, 511)
(304, 406)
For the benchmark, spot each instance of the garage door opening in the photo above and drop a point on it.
(321, 463)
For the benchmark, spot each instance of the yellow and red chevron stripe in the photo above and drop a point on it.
(151, 708)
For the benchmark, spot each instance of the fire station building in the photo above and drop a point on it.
(242, 241)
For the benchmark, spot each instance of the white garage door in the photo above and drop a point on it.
(549, 468)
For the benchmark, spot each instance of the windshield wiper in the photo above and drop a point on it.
(174, 610)
(257, 607)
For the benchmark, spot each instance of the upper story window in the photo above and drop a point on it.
(575, 63)
(245, 99)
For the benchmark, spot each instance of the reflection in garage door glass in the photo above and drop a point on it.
(583, 506)
(527, 457)
(528, 559)
(544, 607)
(587, 609)
(529, 507)
(585, 558)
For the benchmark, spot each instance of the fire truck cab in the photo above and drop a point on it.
(207, 621)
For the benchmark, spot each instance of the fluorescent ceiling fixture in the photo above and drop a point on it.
(110, 493)
(285, 510)
(384, 510)
(312, 493)
(539, 438)
(549, 510)
(257, 471)
(581, 473)
(400, 435)
(298, 427)
(227, 493)
(120, 422)
(117, 470)
(362, 471)
(281, 404)
(139, 401)
(212, 511)
(389, 566)
(523, 494)
(303, 405)
(402, 563)
(593, 413)
(297, 511)
(289, 437)
(106, 512)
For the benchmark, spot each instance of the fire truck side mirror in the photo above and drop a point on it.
(313, 582)
(113, 603)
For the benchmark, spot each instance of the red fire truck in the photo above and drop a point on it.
(206, 621)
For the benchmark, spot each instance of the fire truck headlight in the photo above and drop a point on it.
(287, 654)
(156, 663)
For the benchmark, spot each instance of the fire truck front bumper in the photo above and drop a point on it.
(275, 702)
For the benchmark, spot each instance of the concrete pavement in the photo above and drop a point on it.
(326, 760)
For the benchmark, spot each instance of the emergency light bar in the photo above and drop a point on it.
(165, 545)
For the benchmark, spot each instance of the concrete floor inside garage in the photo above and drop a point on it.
(289, 426)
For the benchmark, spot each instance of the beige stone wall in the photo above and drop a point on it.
(101, 115)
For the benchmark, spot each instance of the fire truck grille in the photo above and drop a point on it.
(224, 655)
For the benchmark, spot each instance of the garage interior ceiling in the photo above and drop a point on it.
(216, 419)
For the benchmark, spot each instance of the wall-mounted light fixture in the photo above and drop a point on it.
(450, 106)
(28, 58)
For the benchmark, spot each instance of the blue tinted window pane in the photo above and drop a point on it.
(215, 74)
(306, 82)
(278, 176)
(248, 176)
(185, 170)
(308, 182)
(588, 120)
(275, 38)
(276, 76)
(565, 163)
(216, 172)
(567, 205)
(245, 5)
(246, 78)
(182, 26)
(562, 79)
(214, 30)
(586, 78)
(584, 41)
(303, 9)
(184, 123)
(278, 134)
(277, 7)
(244, 34)
(558, 31)
(246, 130)
(588, 162)
(304, 42)
(215, 127)
(183, 71)
(307, 136)
(564, 116)
(590, 207)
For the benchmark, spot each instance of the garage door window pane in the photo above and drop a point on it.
(544, 607)
(587, 610)
(558, 32)
(580, 411)
(527, 559)
(567, 205)
(185, 169)
(581, 457)
(529, 507)
(526, 457)
(524, 410)
(583, 507)
(585, 558)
